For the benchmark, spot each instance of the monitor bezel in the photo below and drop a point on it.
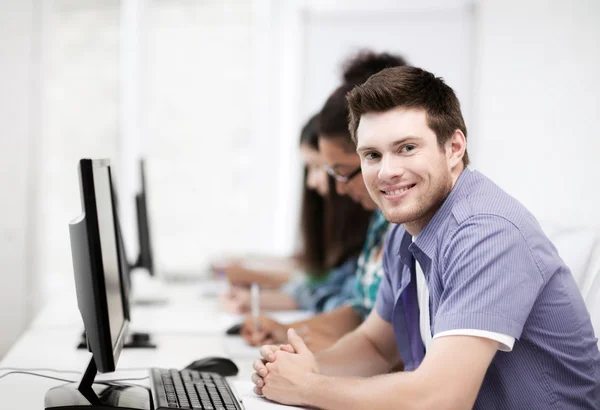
(89, 205)
(146, 255)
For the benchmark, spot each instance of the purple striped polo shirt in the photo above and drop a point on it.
(489, 266)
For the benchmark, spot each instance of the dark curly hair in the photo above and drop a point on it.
(358, 68)
(333, 119)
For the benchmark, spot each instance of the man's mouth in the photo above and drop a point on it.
(397, 191)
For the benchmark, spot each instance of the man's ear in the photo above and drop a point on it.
(455, 148)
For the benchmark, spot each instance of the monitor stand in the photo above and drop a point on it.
(87, 395)
(136, 340)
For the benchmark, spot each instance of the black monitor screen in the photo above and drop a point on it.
(145, 258)
(96, 266)
(108, 244)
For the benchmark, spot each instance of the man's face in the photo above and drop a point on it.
(406, 172)
(345, 161)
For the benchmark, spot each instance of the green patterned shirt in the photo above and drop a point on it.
(369, 270)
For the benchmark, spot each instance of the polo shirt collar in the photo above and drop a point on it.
(403, 251)
(426, 240)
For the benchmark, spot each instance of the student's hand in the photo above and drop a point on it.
(237, 300)
(270, 331)
(236, 274)
(289, 374)
(267, 353)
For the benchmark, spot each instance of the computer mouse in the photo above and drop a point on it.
(220, 365)
(234, 330)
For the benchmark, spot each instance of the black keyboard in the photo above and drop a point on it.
(189, 389)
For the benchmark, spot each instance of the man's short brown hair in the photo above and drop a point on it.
(409, 87)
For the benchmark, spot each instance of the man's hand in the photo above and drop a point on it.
(237, 300)
(286, 374)
(267, 352)
(269, 331)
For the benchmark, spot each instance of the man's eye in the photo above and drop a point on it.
(371, 156)
(408, 148)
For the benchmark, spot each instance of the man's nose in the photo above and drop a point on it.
(389, 168)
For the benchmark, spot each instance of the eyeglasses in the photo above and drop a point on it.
(344, 179)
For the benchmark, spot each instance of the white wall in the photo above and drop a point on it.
(80, 97)
(209, 169)
(332, 36)
(19, 116)
(537, 123)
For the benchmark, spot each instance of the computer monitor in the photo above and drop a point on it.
(135, 339)
(96, 266)
(97, 271)
(145, 258)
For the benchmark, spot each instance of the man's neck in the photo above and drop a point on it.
(416, 227)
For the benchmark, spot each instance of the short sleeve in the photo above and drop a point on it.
(337, 290)
(297, 288)
(331, 292)
(490, 278)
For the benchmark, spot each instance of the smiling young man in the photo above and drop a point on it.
(475, 299)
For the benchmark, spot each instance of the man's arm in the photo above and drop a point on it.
(336, 323)
(449, 378)
(371, 346)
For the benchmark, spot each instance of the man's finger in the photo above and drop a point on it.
(259, 366)
(258, 391)
(297, 342)
(257, 380)
(266, 351)
(287, 348)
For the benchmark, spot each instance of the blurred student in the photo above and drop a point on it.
(333, 231)
(475, 301)
(339, 151)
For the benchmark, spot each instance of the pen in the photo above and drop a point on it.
(255, 300)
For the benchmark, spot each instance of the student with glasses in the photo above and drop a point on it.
(333, 230)
(343, 164)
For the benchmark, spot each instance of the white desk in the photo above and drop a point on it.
(188, 310)
(51, 340)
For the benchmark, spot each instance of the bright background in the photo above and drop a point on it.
(213, 93)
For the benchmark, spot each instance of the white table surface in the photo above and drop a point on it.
(190, 326)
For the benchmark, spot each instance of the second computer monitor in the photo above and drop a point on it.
(145, 258)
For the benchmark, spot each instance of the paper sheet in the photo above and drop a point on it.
(237, 348)
(212, 288)
(244, 392)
